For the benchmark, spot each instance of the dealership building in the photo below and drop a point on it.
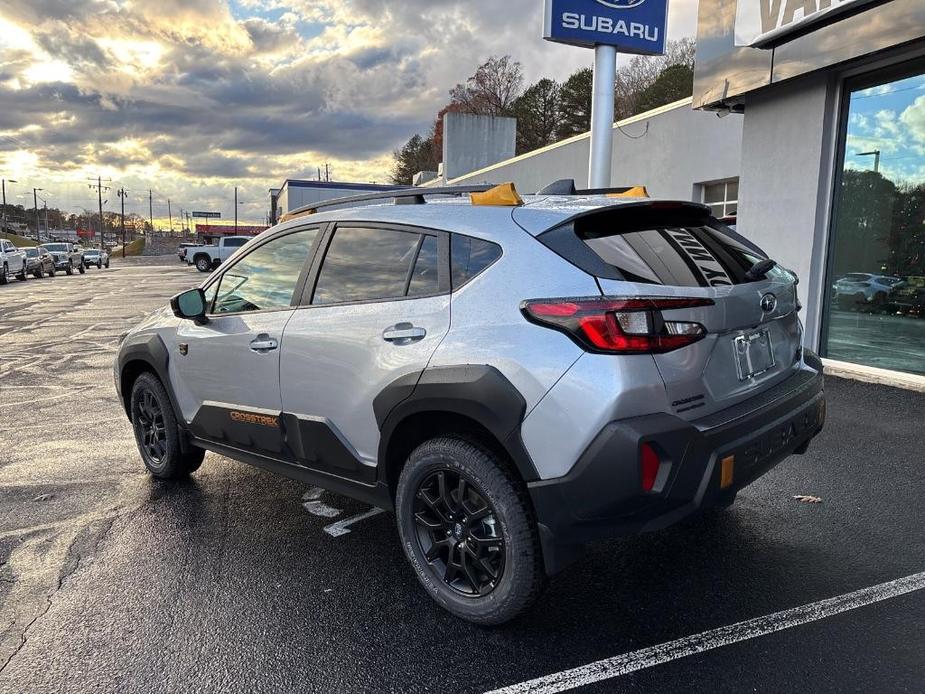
(809, 127)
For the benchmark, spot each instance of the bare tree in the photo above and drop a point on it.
(492, 90)
(637, 76)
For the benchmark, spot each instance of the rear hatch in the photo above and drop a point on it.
(657, 250)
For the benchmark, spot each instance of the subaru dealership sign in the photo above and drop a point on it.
(632, 26)
(762, 22)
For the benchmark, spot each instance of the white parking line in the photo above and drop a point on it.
(342, 527)
(715, 638)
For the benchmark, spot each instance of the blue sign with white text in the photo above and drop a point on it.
(633, 26)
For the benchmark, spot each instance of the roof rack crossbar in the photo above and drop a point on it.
(400, 195)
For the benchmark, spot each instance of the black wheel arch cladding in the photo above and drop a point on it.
(478, 392)
(147, 352)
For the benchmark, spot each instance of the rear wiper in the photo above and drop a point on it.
(760, 270)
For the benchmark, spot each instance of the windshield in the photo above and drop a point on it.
(56, 246)
(91, 251)
(32, 252)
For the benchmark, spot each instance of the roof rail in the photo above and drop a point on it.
(402, 196)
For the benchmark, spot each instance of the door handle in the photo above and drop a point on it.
(403, 333)
(263, 343)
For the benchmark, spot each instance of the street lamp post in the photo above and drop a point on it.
(3, 217)
(235, 210)
(35, 203)
(875, 154)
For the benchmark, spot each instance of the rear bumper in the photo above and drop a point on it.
(602, 496)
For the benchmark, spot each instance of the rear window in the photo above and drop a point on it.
(671, 247)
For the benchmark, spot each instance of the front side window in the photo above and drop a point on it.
(364, 264)
(266, 278)
(875, 293)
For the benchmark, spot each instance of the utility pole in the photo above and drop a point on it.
(169, 216)
(327, 172)
(235, 210)
(121, 194)
(3, 218)
(150, 210)
(99, 190)
(45, 207)
(35, 203)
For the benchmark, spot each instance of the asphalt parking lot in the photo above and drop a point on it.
(242, 581)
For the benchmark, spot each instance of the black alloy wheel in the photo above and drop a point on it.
(152, 428)
(459, 533)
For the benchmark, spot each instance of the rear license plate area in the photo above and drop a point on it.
(754, 354)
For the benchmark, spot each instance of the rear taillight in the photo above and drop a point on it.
(619, 326)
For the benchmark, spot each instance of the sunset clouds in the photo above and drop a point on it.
(192, 97)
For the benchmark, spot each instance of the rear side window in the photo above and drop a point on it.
(364, 264)
(234, 243)
(469, 257)
(672, 247)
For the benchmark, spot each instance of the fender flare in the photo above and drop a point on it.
(477, 391)
(150, 349)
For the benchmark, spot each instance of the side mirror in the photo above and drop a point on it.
(190, 305)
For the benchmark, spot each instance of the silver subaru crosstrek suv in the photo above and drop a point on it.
(513, 377)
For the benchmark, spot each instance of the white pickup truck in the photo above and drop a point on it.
(12, 262)
(208, 257)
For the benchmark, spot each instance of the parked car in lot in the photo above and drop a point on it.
(12, 262)
(67, 256)
(39, 262)
(208, 257)
(182, 248)
(909, 299)
(865, 289)
(97, 257)
(612, 366)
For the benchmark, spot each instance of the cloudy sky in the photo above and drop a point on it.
(193, 97)
(889, 118)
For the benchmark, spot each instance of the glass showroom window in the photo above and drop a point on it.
(875, 293)
(722, 197)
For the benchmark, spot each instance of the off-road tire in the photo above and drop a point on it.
(522, 578)
(174, 463)
(203, 264)
(4, 274)
(69, 270)
(81, 269)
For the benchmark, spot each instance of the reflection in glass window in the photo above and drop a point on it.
(469, 256)
(366, 264)
(266, 277)
(424, 276)
(876, 269)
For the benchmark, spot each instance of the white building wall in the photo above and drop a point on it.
(669, 150)
(786, 180)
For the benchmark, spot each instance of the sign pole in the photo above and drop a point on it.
(605, 76)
